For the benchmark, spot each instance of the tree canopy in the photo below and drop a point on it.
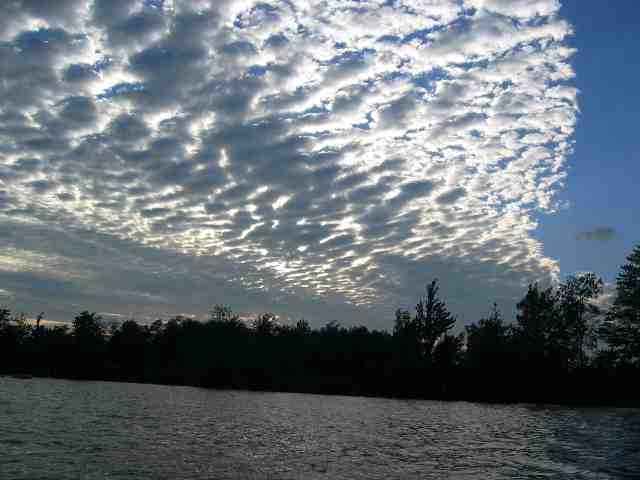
(548, 353)
(622, 327)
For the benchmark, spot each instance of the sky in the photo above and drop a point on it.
(317, 159)
(601, 188)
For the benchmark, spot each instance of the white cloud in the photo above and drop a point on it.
(329, 149)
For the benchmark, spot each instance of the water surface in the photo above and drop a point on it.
(56, 429)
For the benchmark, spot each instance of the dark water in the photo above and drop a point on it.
(55, 429)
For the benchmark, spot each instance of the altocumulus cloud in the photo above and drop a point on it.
(328, 157)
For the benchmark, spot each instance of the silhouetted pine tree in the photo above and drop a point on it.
(89, 336)
(487, 342)
(573, 331)
(622, 327)
(432, 320)
(537, 312)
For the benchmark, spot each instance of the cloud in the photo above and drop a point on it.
(600, 234)
(325, 158)
(451, 196)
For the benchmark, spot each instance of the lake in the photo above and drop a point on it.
(57, 429)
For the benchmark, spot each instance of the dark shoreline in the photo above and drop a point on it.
(633, 403)
(548, 355)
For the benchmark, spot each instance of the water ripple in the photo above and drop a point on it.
(63, 430)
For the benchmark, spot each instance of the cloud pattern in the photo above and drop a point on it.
(343, 150)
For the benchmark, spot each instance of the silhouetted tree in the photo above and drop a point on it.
(573, 331)
(223, 313)
(57, 353)
(487, 342)
(87, 328)
(15, 332)
(128, 347)
(432, 320)
(537, 312)
(89, 336)
(447, 354)
(405, 331)
(403, 322)
(8, 343)
(265, 324)
(38, 329)
(5, 317)
(542, 357)
(621, 330)
(302, 327)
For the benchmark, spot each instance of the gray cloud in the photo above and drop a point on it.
(307, 156)
(598, 234)
(451, 196)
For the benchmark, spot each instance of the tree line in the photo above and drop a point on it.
(562, 347)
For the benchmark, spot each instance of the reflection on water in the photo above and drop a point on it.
(55, 429)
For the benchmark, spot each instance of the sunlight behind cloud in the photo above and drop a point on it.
(415, 138)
